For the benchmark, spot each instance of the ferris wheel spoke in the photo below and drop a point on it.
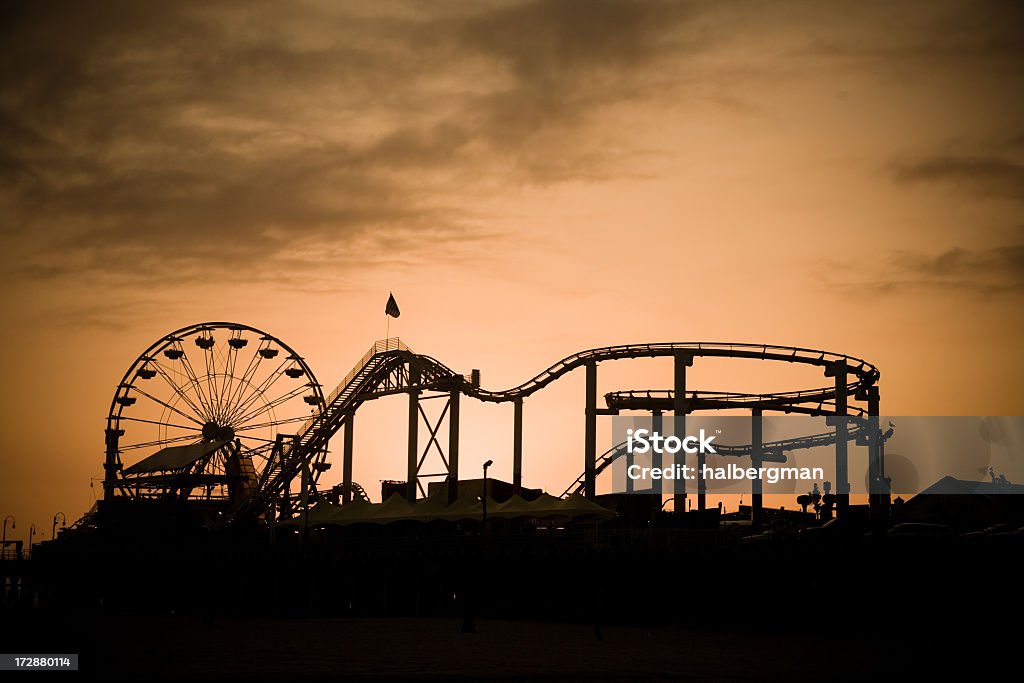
(220, 379)
(210, 379)
(270, 405)
(262, 425)
(250, 371)
(229, 374)
(159, 442)
(178, 389)
(249, 437)
(256, 393)
(238, 396)
(161, 424)
(236, 381)
(197, 383)
(167, 405)
(194, 378)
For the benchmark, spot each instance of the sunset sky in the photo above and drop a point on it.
(529, 178)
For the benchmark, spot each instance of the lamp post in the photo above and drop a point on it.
(3, 548)
(63, 524)
(483, 498)
(31, 535)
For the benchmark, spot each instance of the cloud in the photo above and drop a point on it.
(957, 34)
(987, 176)
(960, 64)
(975, 272)
(160, 142)
(998, 268)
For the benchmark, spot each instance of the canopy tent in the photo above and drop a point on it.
(174, 457)
(546, 505)
(435, 508)
(328, 513)
(394, 509)
(578, 505)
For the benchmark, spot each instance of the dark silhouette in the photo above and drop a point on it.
(215, 525)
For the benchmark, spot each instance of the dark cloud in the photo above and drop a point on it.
(985, 175)
(977, 272)
(900, 38)
(957, 265)
(165, 139)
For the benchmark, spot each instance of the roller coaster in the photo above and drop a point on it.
(237, 420)
(772, 451)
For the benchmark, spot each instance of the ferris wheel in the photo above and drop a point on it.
(197, 415)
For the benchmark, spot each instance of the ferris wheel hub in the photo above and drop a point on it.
(215, 432)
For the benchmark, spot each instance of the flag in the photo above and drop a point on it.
(392, 307)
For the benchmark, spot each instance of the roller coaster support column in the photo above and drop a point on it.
(414, 417)
(590, 444)
(756, 441)
(346, 463)
(110, 466)
(453, 445)
(684, 360)
(517, 446)
(657, 425)
(878, 496)
(304, 499)
(838, 370)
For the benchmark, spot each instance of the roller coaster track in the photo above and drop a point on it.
(387, 368)
(807, 402)
(865, 373)
(775, 450)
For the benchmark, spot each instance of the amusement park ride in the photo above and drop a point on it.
(230, 416)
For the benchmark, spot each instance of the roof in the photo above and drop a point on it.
(952, 485)
(174, 457)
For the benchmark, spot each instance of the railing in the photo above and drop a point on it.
(380, 346)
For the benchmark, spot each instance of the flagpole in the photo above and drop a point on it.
(390, 311)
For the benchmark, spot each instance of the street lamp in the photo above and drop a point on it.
(31, 535)
(3, 548)
(484, 496)
(63, 523)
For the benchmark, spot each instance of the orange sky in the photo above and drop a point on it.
(530, 179)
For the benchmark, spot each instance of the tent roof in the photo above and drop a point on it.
(329, 513)
(546, 505)
(435, 508)
(174, 457)
(581, 506)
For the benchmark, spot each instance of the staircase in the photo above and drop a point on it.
(289, 455)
